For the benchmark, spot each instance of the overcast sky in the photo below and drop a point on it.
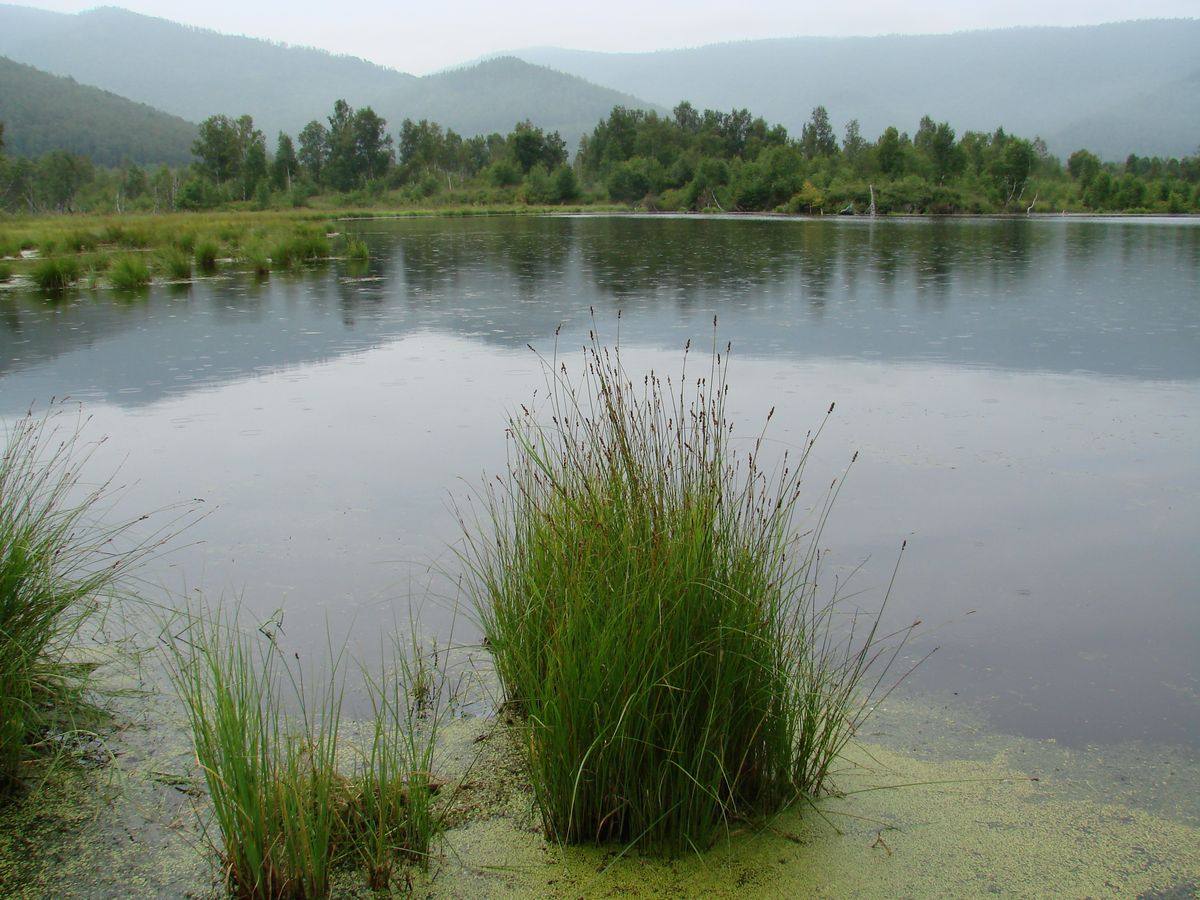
(427, 36)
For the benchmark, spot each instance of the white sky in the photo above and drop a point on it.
(422, 37)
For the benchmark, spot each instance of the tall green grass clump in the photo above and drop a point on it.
(59, 567)
(128, 273)
(272, 778)
(175, 263)
(206, 253)
(55, 274)
(357, 249)
(303, 246)
(653, 611)
(5, 271)
(285, 816)
(394, 818)
(255, 257)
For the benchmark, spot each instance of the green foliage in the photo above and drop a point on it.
(272, 780)
(256, 259)
(6, 271)
(231, 152)
(129, 273)
(394, 785)
(198, 194)
(59, 567)
(44, 112)
(175, 263)
(305, 245)
(207, 251)
(55, 274)
(285, 815)
(652, 613)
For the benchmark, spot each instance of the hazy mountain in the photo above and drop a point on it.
(496, 94)
(195, 73)
(1120, 88)
(43, 112)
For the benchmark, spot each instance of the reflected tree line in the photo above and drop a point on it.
(801, 287)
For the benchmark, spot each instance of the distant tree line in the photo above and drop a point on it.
(351, 152)
(687, 160)
(733, 161)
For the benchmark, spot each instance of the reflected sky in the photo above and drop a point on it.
(1025, 396)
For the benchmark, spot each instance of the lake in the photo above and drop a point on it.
(1024, 395)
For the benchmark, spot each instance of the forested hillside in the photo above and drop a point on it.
(1116, 89)
(195, 73)
(43, 112)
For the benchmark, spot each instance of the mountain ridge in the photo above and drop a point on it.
(195, 73)
(979, 80)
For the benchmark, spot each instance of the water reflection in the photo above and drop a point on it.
(1055, 296)
(1025, 395)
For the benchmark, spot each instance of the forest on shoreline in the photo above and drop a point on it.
(688, 160)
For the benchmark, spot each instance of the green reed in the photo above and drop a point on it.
(59, 568)
(285, 815)
(272, 778)
(653, 611)
(395, 787)
(128, 272)
(175, 263)
(55, 274)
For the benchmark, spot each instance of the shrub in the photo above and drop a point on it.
(653, 615)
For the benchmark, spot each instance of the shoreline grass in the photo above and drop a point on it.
(286, 815)
(59, 569)
(653, 614)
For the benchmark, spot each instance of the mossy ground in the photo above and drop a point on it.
(934, 805)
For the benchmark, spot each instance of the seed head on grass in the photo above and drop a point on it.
(652, 610)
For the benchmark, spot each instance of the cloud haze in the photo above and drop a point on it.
(420, 38)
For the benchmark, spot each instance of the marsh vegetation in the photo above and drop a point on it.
(654, 610)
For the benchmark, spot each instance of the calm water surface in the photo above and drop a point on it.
(1025, 397)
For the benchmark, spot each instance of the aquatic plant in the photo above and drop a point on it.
(285, 815)
(58, 568)
(272, 780)
(55, 274)
(654, 615)
(206, 253)
(5, 271)
(255, 257)
(357, 249)
(304, 245)
(395, 789)
(79, 240)
(128, 272)
(175, 263)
